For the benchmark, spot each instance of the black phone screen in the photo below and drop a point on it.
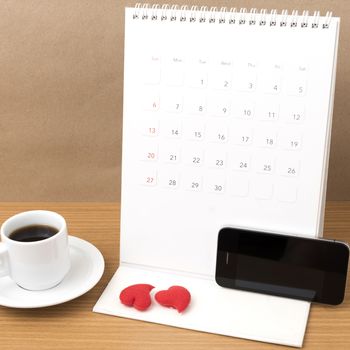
(287, 266)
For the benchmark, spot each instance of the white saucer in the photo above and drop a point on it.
(87, 266)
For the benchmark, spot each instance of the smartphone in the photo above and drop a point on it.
(295, 267)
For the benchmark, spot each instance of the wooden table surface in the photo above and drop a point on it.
(74, 326)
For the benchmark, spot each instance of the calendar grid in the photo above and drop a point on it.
(214, 117)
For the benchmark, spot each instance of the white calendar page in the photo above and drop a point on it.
(225, 124)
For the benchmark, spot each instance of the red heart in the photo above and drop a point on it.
(137, 295)
(176, 296)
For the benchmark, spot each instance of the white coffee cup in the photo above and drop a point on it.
(35, 265)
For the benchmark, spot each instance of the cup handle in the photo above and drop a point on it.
(4, 264)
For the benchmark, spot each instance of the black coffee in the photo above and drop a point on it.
(33, 233)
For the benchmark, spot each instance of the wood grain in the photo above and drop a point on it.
(73, 326)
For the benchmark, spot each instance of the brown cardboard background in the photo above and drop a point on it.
(61, 78)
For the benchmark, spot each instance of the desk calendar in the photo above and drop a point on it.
(227, 121)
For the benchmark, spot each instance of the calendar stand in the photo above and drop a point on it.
(213, 309)
(219, 135)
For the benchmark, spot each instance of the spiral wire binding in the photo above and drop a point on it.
(164, 12)
(202, 12)
(212, 14)
(224, 15)
(183, 10)
(273, 20)
(305, 19)
(262, 15)
(283, 22)
(232, 17)
(173, 12)
(294, 19)
(252, 16)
